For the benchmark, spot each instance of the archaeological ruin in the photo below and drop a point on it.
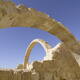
(60, 63)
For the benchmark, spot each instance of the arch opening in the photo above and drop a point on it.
(14, 15)
(22, 16)
(37, 54)
(44, 44)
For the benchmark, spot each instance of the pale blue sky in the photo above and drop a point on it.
(14, 41)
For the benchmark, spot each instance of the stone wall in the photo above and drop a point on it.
(61, 65)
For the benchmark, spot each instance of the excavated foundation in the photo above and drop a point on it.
(60, 63)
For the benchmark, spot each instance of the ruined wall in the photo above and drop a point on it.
(59, 63)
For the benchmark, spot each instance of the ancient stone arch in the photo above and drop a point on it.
(44, 44)
(61, 66)
(15, 16)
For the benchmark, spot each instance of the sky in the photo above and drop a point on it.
(14, 41)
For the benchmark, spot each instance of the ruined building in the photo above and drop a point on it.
(60, 62)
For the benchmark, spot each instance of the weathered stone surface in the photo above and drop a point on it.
(14, 16)
(60, 63)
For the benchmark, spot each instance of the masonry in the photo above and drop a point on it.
(60, 63)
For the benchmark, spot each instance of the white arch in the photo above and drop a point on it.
(44, 44)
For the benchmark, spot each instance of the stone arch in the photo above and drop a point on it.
(15, 16)
(44, 44)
